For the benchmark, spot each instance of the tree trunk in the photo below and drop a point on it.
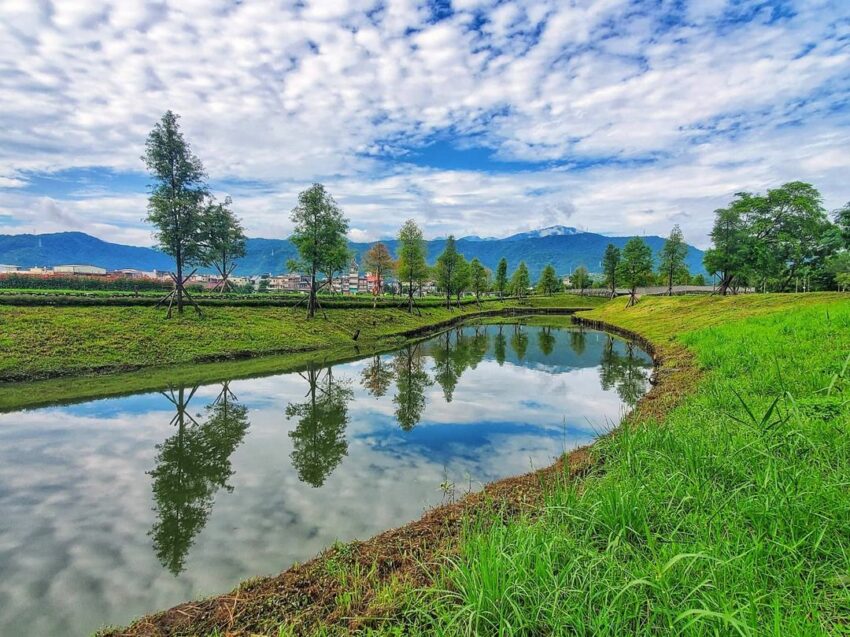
(311, 303)
(179, 261)
(725, 284)
(410, 296)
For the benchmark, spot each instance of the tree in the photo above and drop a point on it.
(319, 235)
(548, 283)
(337, 260)
(842, 220)
(446, 269)
(222, 240)
(479, 279)
(411, 266)
(610, 265)
(462, 278)
(520, 281)
(378, 261)
(635, 267)
(728, 256)
(175, 201)
(580, 279)
(672, 257)
(501, 277)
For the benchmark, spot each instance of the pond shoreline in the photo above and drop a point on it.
(109, 382)
(306, 597)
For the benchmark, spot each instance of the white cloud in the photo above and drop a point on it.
(282, 94)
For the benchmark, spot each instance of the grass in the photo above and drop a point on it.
(44, 342)
(729, 517)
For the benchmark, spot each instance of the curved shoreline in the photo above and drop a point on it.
(306, 597)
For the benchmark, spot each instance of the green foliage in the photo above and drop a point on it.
(520, 281)
(25, 282)
(769, 240)
(319, 235)
(501, 283)
(222, 237)
(580, 278)
(671, 265)
(446, 271)
(176, 196)
(411, 267)
(635, 267)
(479, 278)
(411, 382)
(549, 283)
(610, 266)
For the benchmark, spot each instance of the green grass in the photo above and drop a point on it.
(730, 517)
(43, 342)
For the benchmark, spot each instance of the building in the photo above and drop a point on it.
(292, 282)
(7, 269)
(86, 270)
(131, 273)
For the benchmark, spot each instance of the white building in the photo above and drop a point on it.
(5, 269)
(79, 269)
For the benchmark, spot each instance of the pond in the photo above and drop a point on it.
(118, 507)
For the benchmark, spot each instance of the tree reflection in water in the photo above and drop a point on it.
(191, 466)
(500, 346)
(627, 373)
(519, 342)
(319, 443)
(578, 340)
(546, 340)
(411, 381)
(377, 376)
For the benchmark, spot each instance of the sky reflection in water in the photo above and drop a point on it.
(114, 508)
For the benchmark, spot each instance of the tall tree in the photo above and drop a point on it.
(610, 264)
(222, 240)
(728, 255)
(580, 278)
(175, 204)
(462, 278)
(479, 278)
(672, 257)
(379, 262)
(501, 283)
(636, 266)
(319, 235)
(520, 281)
(411, 267)
(446, 269)
(842, 220)
(337, 260)
(548, 283)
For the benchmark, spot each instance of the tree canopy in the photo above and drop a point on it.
(411, 266)
(549, 282)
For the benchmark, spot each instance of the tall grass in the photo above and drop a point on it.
(732, 517)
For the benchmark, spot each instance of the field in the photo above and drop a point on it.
(720, 507)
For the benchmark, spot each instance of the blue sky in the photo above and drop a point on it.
(471, 116)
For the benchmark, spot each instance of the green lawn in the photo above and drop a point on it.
(729, 517)
(40, 342)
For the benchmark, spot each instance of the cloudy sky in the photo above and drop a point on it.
(472, 116)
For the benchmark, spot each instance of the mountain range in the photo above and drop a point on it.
(566, 248)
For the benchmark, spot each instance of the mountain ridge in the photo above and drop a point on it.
(566, 251)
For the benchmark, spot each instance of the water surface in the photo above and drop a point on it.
(113, 508)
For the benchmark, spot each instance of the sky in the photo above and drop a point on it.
(484, 117)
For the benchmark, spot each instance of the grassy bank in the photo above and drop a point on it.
(721, 507)
(731, 517)
(43, 342)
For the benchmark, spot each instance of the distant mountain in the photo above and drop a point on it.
(563, 247)
(551, 231)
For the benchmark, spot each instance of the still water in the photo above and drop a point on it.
(114, 508)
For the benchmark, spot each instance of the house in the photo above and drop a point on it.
(6, 269)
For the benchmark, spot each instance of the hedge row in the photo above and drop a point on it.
(13, 280)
